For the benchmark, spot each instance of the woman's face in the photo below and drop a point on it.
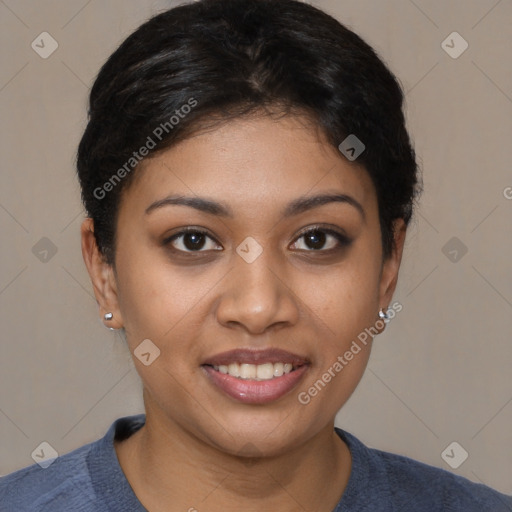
(269, 275)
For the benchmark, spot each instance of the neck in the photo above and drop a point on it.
(171, 469)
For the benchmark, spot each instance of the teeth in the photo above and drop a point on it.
(234, 369)
(247, 371)
(278, 369)
(264, 371)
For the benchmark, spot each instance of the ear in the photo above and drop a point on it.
(391, 266)
(102, 276)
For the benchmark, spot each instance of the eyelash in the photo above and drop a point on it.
(343, 240)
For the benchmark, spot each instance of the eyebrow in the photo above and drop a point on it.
(297, 206)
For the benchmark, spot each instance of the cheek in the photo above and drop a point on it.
(166, 305)
(162, 306)
(345, 298)
(344, 306)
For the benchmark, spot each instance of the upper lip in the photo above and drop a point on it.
(251, 356)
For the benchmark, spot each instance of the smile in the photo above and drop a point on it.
(266, 371)
(255, 377)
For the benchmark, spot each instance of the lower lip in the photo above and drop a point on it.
(256, 391)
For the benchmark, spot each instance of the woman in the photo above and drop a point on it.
(248, 180)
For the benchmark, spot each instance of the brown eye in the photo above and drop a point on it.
(191, 240)
(321, 239)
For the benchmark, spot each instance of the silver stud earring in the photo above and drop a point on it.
(108, 316)
(384, 316)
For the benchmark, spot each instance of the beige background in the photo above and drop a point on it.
(442, 370)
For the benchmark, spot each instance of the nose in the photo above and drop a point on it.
(258, 297)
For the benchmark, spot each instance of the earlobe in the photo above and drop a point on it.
(102, 277)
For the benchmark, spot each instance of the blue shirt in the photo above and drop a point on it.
(90, 479)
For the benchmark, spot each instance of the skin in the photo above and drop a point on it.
(201, 449)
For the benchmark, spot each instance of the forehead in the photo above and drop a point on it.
(250, 162)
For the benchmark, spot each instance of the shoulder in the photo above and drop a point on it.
(85, 480)
(66, 480)
(404, 483)
(412, 479)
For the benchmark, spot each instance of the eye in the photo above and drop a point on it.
(192, 240)
(317, 237)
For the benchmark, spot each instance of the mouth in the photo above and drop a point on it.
(255, 377)
(265, 371)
